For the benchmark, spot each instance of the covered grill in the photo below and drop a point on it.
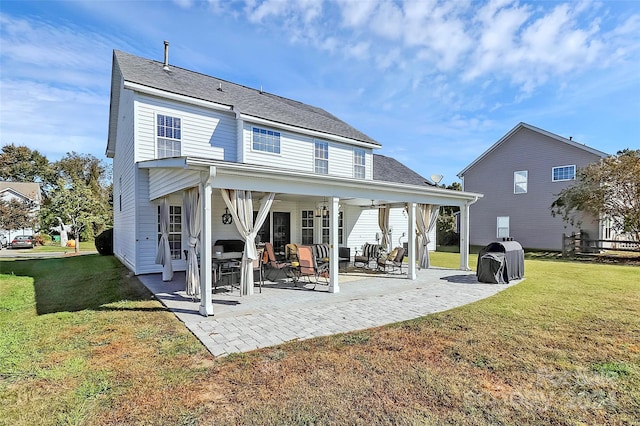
(500, 262)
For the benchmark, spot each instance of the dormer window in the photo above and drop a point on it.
(266, 140)
(169, 134)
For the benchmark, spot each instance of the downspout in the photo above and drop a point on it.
(239, 136)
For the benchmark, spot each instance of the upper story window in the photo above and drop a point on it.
(520, 182)
(322, 157)
(169, 133)
(563, 173)
(359, 167)
(266, 140)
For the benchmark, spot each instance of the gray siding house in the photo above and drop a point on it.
(520, 176)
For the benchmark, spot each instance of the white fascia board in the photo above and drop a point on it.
(175, 97)
(308, 132)
(262, 178)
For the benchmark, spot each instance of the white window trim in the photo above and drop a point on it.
(155, 131)
(562, 167)
(526, 181)
(181, 233)
(313, 222)
(279, 153)
(356, 165)
(316, 158)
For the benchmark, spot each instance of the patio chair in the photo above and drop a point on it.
(394, 260)
(274, 266)
(308, 267)
(370, 253)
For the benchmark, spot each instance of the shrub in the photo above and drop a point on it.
(104, 242)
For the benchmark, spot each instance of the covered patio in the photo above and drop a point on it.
(249, 192)
(283, 312)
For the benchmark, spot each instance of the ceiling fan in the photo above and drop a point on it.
(376, 206)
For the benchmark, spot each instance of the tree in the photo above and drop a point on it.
(21, 164)
(16, 214)
(609, 188)
(446, 234)
(75, 205)
(90, 177)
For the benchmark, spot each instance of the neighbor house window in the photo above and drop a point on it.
(520, 182)
(307, 227)
(359, 168)
(266, 140)
(169, 134)
(322, 157)
(503, 227)
(175, 230)
(563, 173)
(326, 231)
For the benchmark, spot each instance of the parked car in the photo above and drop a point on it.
(23, 241)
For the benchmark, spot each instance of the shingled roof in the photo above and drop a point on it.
(391, 170)
(247, 101)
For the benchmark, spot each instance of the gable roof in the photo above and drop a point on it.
(522, 125)
(391, 170)
(241, 99)
(26, 190)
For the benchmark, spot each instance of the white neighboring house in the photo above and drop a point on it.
(22, 191)
(172, 129)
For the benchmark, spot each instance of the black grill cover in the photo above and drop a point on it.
(500, 262)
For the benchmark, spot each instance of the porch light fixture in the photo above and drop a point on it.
(227, 219)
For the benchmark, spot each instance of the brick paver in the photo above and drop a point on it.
(283, 312)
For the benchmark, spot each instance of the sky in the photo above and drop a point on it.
(436, 83)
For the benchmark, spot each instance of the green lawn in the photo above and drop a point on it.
(82, 342)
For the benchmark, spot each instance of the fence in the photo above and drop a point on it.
(580, 243)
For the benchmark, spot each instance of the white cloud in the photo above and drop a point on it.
(356, 13)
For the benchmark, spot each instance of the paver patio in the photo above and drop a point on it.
(283, 312)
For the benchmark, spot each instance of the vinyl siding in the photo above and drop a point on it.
(297, 153)
(124, 171)
(530, 219)
(168, 181)
(205, 133)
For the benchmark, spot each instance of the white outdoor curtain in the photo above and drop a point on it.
(240, 204)
(163, 257)
(191, 207)
(383, 223)
(426, 218)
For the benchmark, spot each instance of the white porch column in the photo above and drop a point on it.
(334, 286)
(464, 237)
(411, 232)
(206, 297)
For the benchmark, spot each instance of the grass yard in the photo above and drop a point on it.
(83, 343)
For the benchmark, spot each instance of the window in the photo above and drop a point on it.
(322, 157)
(520, 182)
(175, 231)
(359, 163)
(563, 173)
(503, 227)
(266, 140)
(307, 227)
(169, 135)
(325, 228)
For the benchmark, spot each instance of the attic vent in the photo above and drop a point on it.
(166, 56)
